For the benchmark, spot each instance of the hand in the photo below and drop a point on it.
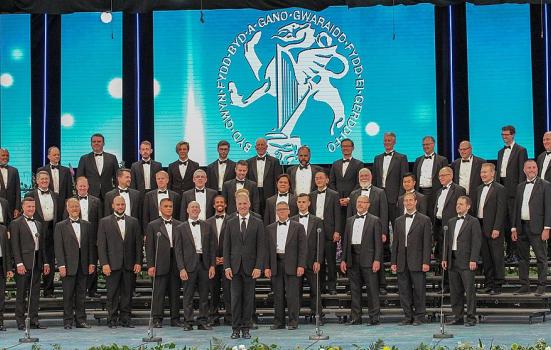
(514, 235)
(316, 267)
(183, 275)
(300, 271)
(376, 266)
(255, 274)
(46, 269)
(393, 268)
(426, 267)
(219, 260)
(472, 265)
(268, 273)
(343, 267)
(212, 272)
(91, 269)
(21, 270)
(344, 202)
(228, 273)
(62, 271)
(495, 234)
(106, 270)
(9, 274)
(151, 272)
(383, 238)
(545, 234)
(336, 237)
(445, 265)
(137, 268)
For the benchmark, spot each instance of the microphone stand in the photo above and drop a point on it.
(151, 338)
(319, 334)
(28, 338)
(443, 334)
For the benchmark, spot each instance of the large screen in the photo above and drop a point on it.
(91, 84)
(294, 77)
(15, 92)
(500, 76)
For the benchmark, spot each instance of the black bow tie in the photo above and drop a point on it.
(366, 188)
(198, 190)
(77, 221)
(409, 215)
(146, 162)
(261, 158)
(321, 192)
(460, 218)
(119, 217)
(163, 192)
(195, 223)
(302, 167)
(358, 216)
(54, 166)
(219, 217)
(282, 195)
(282, 223)
(44, 192)
(389, 154)
(428, 157)
(98, 154)
(507, 147)
(303, 216)
(222, 161)
(82, 197)
(465, 160)
(29, 219)
(547, 153)
(531, 182)
(168, 222)
(182, 162)
(346, 160)
(445, 188)
(3, 166)
(242, 182)
(123, 191)
(488, 184)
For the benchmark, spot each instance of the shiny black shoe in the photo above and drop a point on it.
(496, 291)
(83, 325)
(2, 328)
(38, 326)
(174, 323)
(383, 291)
(485, 290)
(127, 325)
(187, 327)
(353, 322)
(291, 328)
(245, 334)
(373, 323)
(540, 291)
(522, 290)
(455, 322)
(276, 326)
(470, 324)
(204, 327)
(235, 334)
(67, 326)
(158, 324)
(332, 292)
(417, 323)
(21, 327)
(112, 324)
(405, 322)
(254, 325)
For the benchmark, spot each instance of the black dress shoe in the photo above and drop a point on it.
(276, 326)
(292, 328)
(417, 323)
(383, 291)
(48, 295)
(522, 290)
(455, 323)
(204, 327)
(235, 334)
(405, 322)
(353, 322)
(254, 325)
(67, 326)
(174, 323)
(540, 291)
(21, 327)
(2, 328)
(245, 334)
(332, 292)
(215, 322)
(38, 326)
(470, 324)
(496, 291)
(111, 325)
(373, 323)
(83, 325)
(485, 290)
(158, 324)
(187, 327)
(127, 325)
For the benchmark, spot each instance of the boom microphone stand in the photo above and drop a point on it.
(151, 338)
(319, 334)
(28, 338)
(443, 334)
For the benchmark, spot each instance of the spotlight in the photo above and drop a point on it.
(106, 17)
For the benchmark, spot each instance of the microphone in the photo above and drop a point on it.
(158, 235)
(443, 334)
(151, 338)
(319, 334)
(27, 338)
(37, 235)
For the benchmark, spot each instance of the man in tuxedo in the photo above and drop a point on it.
(343, 176)
(218, 223)
(411, 250)
(510, 163)
(283, 195)
(445, 206)
(181, 171)
(325, 204)
(196, 260)
(466, 169)
(200, 194)
(6, 270)
(543, 161)
(222, 169)
(244, 253)
(302, 175)
(408, 184)
(286, 250)
(264, 170)
(61, 180)
(161, 263)
(10, 185)
(362, 254)
(461, 253)
(91, 210)
(120, 254)
(132, 197)
(76, 257)
(46, 204)
(240, 182)
(99, 167)
(27, 244)
(143, 171)
(389, 168)
(153, 198)
(532, 221)
(5, 214)
(426, 170)
(490, 210)
(313, 226)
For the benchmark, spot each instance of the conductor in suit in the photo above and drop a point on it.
(466, 169)
(159, 244)
(408, 184)
(509, 167)
(303, 174)
(460, 258)
(27, 243)
(99, 167)
(222, 169)
(532, 222)
(286, 250)
(362, 254)
(143, 171)
(61, 180)
(153, 198)
(490, 209)
(411, 250)
(181, 171)
(283, 195)
(120, 254)
(200, 194)
(76, 257)
(240, 182)
(10, 185)
(132, 197)
(196, 261)
(244, 251)
(6, 269)
(264, 170)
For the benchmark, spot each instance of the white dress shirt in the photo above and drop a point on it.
(483, 195)
(34, 231)
(147, 174)
(358, 229)
(201, 198)
(4, 172)
(366, 191)
(239, 185)
(320, 203)
(2, 221)
(525, 208)
(47, 205)
(303, 180)
(505, 160)
(304, 221)
(196, 233)
(442, 201)
(345, 166)
(545, 165)
(84, 207)
(260, 167)
(219, 222)
(183, 167)
(246, 217)
(386, 164)
(76, 228)
(221, 172)
(425, 180)
(282, 231)
(456, 230)
(122, 226)
(465, 173)
(168, 228)
(55, 177)
(409, 221)
(99, 162)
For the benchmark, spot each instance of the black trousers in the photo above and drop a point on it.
(220, 285)
(262, 200)
(167, 284)
(48, 280)
(74, 297)
(526, 239)
(23, 284)
(462, 290)
(2, 290)
(120, 287)
(493, 262)
(412, 290)
(312, 279)
(286, 290)
(197, 280)
(242, 300)
(359, 276)
(511, 247)
(430, 196)
(329, 270)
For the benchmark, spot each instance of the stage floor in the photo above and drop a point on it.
(502, 332)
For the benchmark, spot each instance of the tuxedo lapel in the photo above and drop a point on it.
(254, 169)
(72, 230)
(116, 226)
(290, 233)
(188, 232)
(92, 161)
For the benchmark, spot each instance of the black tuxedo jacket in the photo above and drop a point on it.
(419, 243)
(344, 184)
(295, 248)
(67, 251)
(22, 244)
(185, 250)
(219, 239)
(212, 173)
(65, 182)
(495, 208)
(99, 184)
(270, 210)
(272, 169)
(7, 214)
(378, 205)
(396, 169)
(163, 253)
(469, 241)
(315, 225)
(332, 215)
(151, 206)
(136, 206)
(475, 179)
(189, 196)
(371, 245)
(454, 192)
(176, 183)
(421, 204)
(113, 250)
(244, 251)
(438, 163)
(539, 206)
(228, 191)
(38, 214)
(95, 212)
(540, 160)
(5, 244)
(13, 191)
(292, 171)
(137, 174)
(515, 168)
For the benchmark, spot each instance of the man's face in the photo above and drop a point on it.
(282, 212)
(119, 205)
(487, 174)
(145, 151)
(82, 187)
(410, 203)
(43, 181)
(428, 146)
(166, 208)
(362, 204)
(445, 177)
(365, 177)
(303, 156)
(389, 142)
(283, 185)
(530, 169)
(408, 183)
(220, 205)
(321, 180)
(4, 157)
(241, 171)
(223, 151)
(183, 151)
(465, 150)
(507, 137)
(73, 208)
(124, 179)
(462, 207)
(28, 208)
(303, 203)
(547, 141)
(193, 210)
(243, 205)
(162, 180)
(261, 146)
(54, 156)
(97, 144)
(200, 179)
(347, 148)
